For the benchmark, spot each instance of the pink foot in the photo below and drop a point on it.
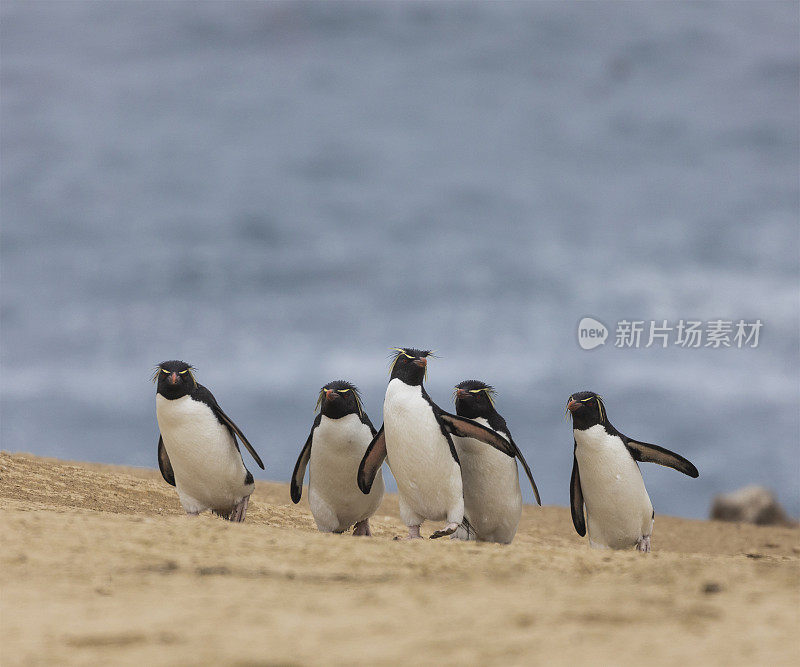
(362, 528)
(449, 529)
(413, 534)
(643, 544)
(238, 512)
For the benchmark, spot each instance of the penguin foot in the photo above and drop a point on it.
(362, 528)
(463, 534)
(643, 544)
(238, 512)
(449, 529)
(413, 534)
(465, 531)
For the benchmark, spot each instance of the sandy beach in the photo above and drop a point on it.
(101, 566)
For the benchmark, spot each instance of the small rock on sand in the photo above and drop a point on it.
(751, 504)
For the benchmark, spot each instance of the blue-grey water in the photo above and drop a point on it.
(280, 192)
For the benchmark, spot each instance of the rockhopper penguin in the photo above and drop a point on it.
(197, 449)
(606, 478)
(492, 496)
(416, 438)
(334, 448)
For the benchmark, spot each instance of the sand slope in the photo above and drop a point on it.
(98, 565)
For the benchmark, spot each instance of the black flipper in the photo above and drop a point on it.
(647, 453)
(466, 428)
(527, 471)
(576, 499)
(365, 420)
(372, 461)
(164, 464)
(202, 394)
(227, 420)
(296, 487)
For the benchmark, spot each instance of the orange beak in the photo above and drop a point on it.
(573, 405)
(422, 362)
(329, 394)
(173, 379)
(460, 393)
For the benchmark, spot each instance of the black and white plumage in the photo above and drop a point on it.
(338, 440)
(416, 438)
(492, 495)
(197, 449)
(607, 480)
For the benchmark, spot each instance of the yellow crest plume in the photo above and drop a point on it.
(319, 398)
(400, 351)
(601, 407)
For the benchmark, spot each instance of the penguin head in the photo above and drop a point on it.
(174, 379)
(587, 410)
(474, 399)
(409, 365)
(338, 399)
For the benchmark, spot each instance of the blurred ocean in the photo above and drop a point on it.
(280, 192)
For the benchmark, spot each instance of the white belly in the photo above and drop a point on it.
(618, 509)
(209, 472)
(492, 496)
(337, 448)
(428, 477)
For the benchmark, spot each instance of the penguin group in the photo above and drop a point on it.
(460, 469)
